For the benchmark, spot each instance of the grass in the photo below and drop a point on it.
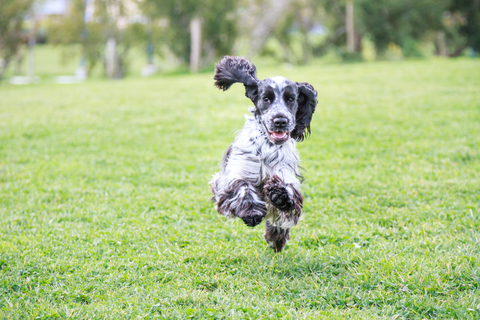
(105, 212)
(52, 61)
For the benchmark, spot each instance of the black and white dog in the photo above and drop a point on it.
(259, 175)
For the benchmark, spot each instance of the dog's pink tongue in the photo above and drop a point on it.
(279, 134)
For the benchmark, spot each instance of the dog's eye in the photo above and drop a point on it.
(266, 99)
(290, 99)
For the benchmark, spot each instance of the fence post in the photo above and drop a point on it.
(195, 43)
(111, 58)
(350, 26)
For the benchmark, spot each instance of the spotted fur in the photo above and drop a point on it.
(259, 177)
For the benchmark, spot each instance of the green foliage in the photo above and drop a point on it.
(410, 48)
(467, 13)
(12, 15)
(297, 44)
(92, 35)
(403, 23)
(349, 56)
(106, 215)
(399, 21)
(451, 31)
(71, 30)
(219, 27)
(294, 30)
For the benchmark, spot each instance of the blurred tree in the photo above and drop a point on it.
(401, 22)
(93, 33)
(260, 19)
(298, 31)
(72, 30)
(332, 15)
(12, 15)
(218, 24)
(463, 19)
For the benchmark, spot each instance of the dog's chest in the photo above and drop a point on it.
(273, 157)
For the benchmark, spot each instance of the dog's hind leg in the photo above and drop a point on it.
(241, 199)
(276, 236)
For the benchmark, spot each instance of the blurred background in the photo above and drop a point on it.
(71, 40)
(104, 196)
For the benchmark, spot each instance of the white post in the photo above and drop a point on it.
(195, 43)
(349, 26)
(111, 58)
(31, 52)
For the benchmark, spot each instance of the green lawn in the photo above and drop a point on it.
(105, 212)
(52, 61)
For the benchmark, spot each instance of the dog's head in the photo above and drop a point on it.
(283, 107)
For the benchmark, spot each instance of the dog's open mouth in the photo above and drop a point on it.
(278, 137)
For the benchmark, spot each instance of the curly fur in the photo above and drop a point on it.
(259, 177)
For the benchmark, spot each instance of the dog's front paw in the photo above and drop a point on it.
(252, 221)
(281, 200)
(251, 213)
(278, 195)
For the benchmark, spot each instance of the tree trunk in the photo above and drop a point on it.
(440, 45)
(350, 26)
(4, 67)
(111, 58)
(31, 59)
(18, 63)
(31, 52)
(458, 52)
(266, 21)
(195, 44)
(358, 42)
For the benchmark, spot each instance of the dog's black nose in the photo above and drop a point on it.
(280, 123)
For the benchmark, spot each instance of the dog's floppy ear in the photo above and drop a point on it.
(237, 69)
(307, 101)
